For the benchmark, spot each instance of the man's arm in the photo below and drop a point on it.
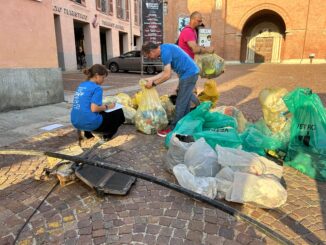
(198, 49)
(159, 78)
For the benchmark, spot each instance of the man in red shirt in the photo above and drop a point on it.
(188, 37)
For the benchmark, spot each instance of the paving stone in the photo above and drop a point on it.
(151, 214)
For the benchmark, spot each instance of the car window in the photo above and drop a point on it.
(129, 54)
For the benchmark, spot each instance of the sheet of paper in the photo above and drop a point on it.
(117, 106)
(51, 127)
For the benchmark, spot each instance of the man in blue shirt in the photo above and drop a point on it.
(173, 58)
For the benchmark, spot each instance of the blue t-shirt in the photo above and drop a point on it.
(180, 61)
(81, 115)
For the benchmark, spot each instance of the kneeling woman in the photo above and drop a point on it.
(88, 113)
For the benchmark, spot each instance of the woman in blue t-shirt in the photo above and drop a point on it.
(88, 113)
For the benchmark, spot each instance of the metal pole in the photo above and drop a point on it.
(130, 23)
(141, 37)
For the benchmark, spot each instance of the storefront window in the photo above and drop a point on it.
(122, 9)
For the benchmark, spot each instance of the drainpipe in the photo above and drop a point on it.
(130, 21)
(305, 34)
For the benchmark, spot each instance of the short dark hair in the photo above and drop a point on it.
(195, 14)
(148, 47)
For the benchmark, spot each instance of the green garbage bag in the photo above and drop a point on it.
(253, 140)
(219, 120)
(307, 147)
(227, 137)
(191, 123)
(282, 136)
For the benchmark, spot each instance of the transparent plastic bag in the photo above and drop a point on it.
(150, 116)
(274, 108)
(123, 99)
(247, 162)
(203, 185)
(210, 65)
(176, 152)
(259, 191)
(201, 159)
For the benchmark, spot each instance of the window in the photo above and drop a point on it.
(122, 9)
(137, 12)
(82, 2)
(105, 6)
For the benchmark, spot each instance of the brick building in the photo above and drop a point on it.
(255, 31)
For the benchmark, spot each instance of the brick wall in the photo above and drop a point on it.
(305, 25)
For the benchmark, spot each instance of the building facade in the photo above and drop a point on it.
(257, 31)
(42, 38)
(101, 28)
(29, 73)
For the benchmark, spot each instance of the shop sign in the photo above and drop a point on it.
(112, 25)
(152, 19)
(69, 12)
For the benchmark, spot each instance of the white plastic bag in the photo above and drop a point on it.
(203, 185)
(201, 159)
(176, 152)
(224, 181)
(260, 191)
(248, 162)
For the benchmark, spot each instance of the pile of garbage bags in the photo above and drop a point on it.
(233, 174)
(217, 153)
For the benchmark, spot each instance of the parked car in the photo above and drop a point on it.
(131, 61)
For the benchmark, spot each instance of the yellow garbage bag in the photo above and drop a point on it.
(150, 116)
(136, 99)
(210, 92)
(273, 108)
(168, 106)
(123, 99)
(210, 65)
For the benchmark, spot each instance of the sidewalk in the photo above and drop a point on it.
(149, 214)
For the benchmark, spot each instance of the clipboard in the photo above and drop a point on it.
(117, 107)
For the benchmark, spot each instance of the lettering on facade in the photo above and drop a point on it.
(69, 12)
(110, 24)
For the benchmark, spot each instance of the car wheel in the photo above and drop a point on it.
(150, 70)
(114, 67)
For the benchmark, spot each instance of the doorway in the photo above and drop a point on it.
(104, 53)
(80, 45)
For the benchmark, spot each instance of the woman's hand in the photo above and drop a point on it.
(110, 106)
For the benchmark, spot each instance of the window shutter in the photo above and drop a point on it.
(98, 5)
(110, 2)
(119, 10)
(127, 9)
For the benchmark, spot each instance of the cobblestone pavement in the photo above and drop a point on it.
(151, 214)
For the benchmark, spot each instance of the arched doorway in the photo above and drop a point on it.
(262, 38)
